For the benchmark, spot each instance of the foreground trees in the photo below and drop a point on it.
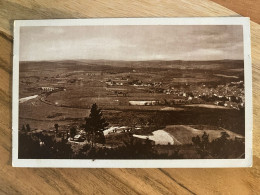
(121, 145)
(73, 132)
(219, 148)
(202, 145)
(30, 147)
(95, 125)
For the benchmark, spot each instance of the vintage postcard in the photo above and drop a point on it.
(137, 92)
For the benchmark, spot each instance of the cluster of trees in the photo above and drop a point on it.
(38, 145)
(131, 149)
(43, 147)
(219, 148)
(26, 128)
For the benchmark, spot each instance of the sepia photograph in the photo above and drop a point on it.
(164, 92)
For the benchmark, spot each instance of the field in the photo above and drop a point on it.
(139, 95)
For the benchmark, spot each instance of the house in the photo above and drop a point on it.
(79, 138)
(144, 103)
(48, 89)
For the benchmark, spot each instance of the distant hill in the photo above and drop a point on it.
(108, 64)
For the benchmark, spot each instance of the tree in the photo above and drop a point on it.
(23, 128)
(201, 144)
(223, 147)
(29, 147)
(205, 140)
(196, 140)
(224, 136)
(95, 124)
(72, 132)
(28, 128)
(62, 150)
(56, 126)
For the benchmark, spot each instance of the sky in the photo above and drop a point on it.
(131, 43)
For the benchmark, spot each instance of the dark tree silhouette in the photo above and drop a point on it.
(56, 126)
(202, 145)
(205, 141)
(220, 147)
(73, 132)
(28, 147)
(95, 125)
(224, 136)
(28, 128)
(196, 140)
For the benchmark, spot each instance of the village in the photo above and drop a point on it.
(230, 95)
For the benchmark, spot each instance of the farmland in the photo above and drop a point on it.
(144, 96)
